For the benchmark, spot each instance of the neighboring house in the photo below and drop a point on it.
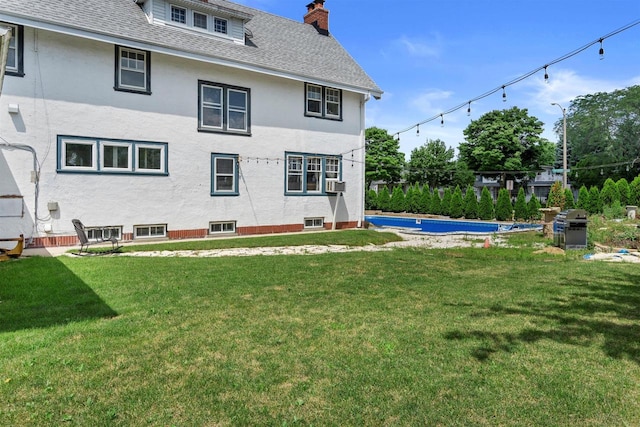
(540, 185)
(175, 119)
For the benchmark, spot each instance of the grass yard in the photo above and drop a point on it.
(482, 337)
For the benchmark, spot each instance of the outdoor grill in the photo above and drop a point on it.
(570, 229)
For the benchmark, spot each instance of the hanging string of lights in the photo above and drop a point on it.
(503, 87)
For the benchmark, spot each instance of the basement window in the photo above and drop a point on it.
(149, 231)
(104, 233)
(222, 227)
(314, 222)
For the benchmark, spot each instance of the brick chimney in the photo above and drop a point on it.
(318, 16)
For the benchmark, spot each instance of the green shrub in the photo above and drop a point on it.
(398, 201)
(634, 191)
(436, 202)
(521, 212)
(384, 199)
(556, 196)
(583, 198)
(569, 201)
(470, 203)
(624, 191)
(456, 209)
(609, 193)
(485, 208)
(425, 200)
(371, 200)
(595, 202)
(445, 206)
(504, 208)
(614, 211)
(533, 208)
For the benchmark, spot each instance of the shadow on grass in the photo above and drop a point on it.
(606, 312)
(43, 292)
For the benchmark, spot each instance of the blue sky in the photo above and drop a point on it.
(429, 56)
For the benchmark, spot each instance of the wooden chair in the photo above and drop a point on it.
(6, 254)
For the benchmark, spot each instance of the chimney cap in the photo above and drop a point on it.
(315, 4)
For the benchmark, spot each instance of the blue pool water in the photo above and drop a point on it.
(429, 225)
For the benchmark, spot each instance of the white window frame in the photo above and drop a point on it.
(332, 97)
(314, 222)
(330, 166)
(298, 162)
(150, 227)
(98, 233)
(323, 96)
(161, 148)
(185, 13)
(226, 227)
(316, 90)
(103, 156)
(313, 167)
(65, 142)
(214, 174)
(224, 107)
(217, 21)
(15, 47)
(206, 20)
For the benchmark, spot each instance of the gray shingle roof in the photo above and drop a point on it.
(279, 44)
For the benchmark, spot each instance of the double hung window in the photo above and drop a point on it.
(307, 173)
(89, 155)
(324, 102)
(199, 20)
(15, 64)
(223, 108)
(133, 70)
(224, 175)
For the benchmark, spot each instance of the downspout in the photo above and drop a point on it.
(365, 99)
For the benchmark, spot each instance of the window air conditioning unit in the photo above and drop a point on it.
(335, 186)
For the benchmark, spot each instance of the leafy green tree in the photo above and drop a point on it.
(533, 207)
(508, 140)
(383, 159)
(456, 209)
(425, 200)
(371, 200)
(413, 198)
(603, 128)
(445, 205)
(634, 191)
(398, 200)
(521, 212)
(431, 164)
(470, 203)
(595, 202)
(504, 209)
(624, 190)
(462, 175)
(583, 198)
(384, 199)
(609, 192)
(569, 201)
(556, 196)
(436, 202)
(485, 208)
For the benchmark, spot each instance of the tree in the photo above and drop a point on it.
(507, 141)
(456, 209)
(431, 164)
(445, 205)
(504, 209)
(634, 191)
(521, 211)
(485, 208)
(383, 159)
(609, 193)
(371, 200)
(413, 199)
(398, 200)
(384, 199)
(425, 200)
(595, 202)
(603, 128)
(470, 203)
(583, 198)
(556, 196)
(624, 190)
(569, 201)
(462, 175)
(436, 203)
(533, 207)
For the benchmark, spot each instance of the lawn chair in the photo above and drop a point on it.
(85, 242)
(15, 252)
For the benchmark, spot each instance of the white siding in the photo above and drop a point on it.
(68, 90)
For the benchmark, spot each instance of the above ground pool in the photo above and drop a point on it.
(429, 225)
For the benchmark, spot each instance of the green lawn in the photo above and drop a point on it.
(408, 337)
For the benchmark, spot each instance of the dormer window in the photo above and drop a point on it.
(198, 20)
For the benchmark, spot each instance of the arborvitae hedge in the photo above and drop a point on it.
(625, 191)
(414, 200)
(635, 191)
(533, 208)
(521, 212)
(569, 201)
(609, 193)
(504, 208)
(436, 201)
(456, 209)
(425, 200)
(485, 209)
(595, 202)
(398, 202)
(371, 200)
(470, 203)
(556, 196)
(384, 199)
(445, 206)
(583, 198)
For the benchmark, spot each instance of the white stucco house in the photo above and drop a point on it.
(175, 119)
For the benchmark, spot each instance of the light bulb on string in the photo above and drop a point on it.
(417, 130)
(469, 109)
(601, 51)
(441, 120)
(546, 75)
(601, 171)
(504, 95)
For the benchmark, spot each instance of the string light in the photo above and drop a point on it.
(469, 109)
(546, 75)
(417, 130)
(601, 51)
(441, 120)
(504, 95)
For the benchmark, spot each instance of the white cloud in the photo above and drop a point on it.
(431, 102)
(418, 47)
